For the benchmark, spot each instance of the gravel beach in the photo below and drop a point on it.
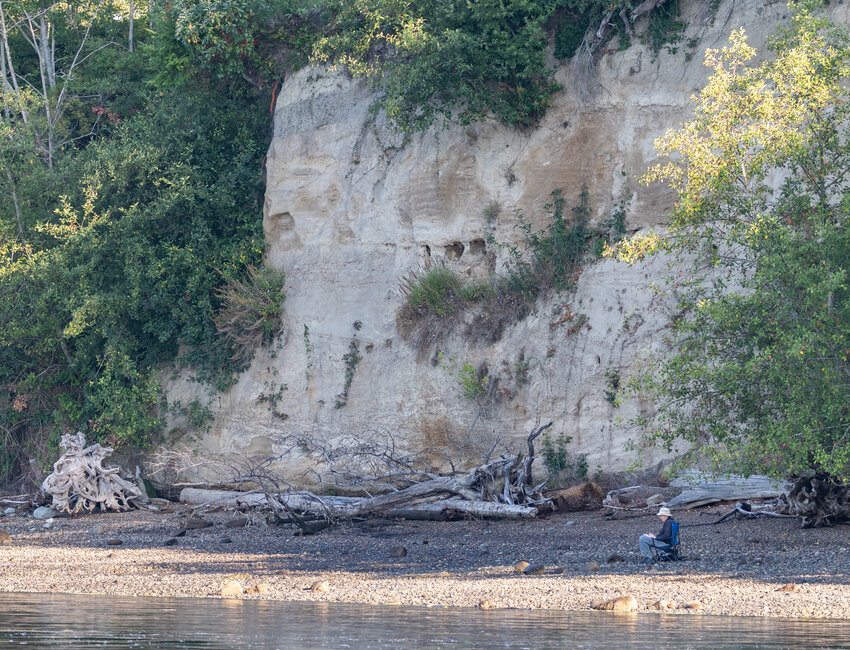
(764, 567)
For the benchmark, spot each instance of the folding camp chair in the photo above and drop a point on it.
(670, 553)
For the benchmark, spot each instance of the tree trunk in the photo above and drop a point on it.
(132, 18)
(404, 503)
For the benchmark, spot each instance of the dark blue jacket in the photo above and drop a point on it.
(666, 531)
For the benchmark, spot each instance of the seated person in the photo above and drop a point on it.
(661, 540)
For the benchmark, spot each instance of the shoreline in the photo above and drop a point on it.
(763, 568)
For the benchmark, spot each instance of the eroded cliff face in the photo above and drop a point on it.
(352, 207)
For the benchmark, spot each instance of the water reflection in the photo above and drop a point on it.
(42, 621)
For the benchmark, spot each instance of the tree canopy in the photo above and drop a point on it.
(757, 379)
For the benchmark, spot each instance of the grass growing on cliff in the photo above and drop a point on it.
(437, 300)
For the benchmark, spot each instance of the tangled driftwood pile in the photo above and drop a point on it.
(500, 488)
(80, 482)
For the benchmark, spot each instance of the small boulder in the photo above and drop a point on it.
(98, 529)
(486, 604)
(621, 604)
(114, 541)
(232, 588)
(171, 542)
(398, 551)
(655, 499)
(592, 566)
(259, 588)
(520, 566)
(9, 511)
(5, 537)
(660, 605)
(692, 604)
(226, 540)
(43, 512)
(587, 496)
(194, 523)
(534, 570)
(240, 521)
(320, 585)
(558, 570)
(444, 574)
(790, 587)
(616, 557)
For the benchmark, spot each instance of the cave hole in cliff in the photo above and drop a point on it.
(426, 250)
(454, 251)
(477, 247)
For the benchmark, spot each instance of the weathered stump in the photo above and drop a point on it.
(819, 501)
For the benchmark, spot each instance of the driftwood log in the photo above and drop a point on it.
(819, 501)
(734, 488)
(426, 502)
(80, 482)
(396, 483)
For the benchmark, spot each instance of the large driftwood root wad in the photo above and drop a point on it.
(80, 482)
(819, 501)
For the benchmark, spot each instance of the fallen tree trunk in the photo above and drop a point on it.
(735, 488)
(352, 507)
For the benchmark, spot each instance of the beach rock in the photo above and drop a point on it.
(9, 511)
(534, 570)
(398, 551)
(660, 605)
(444, 574)
(114, 541)
(790, 587)
(558, 570)
(621, 604)
(171, 542)
(587, 496)
(43, 512)
(98, 529)
(655, 499)
(226, 540)
(260, 588)
(5, 537)
(237, 522)
(180, 533)
(692, 604)
(616, 557)
(232, 588)
(320, 585)
(592, 566)
(195, 523)
(520, 566)
(486, 604)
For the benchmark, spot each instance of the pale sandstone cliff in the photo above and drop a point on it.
(352, 207)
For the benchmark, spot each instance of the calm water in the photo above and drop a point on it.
(62, 621)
